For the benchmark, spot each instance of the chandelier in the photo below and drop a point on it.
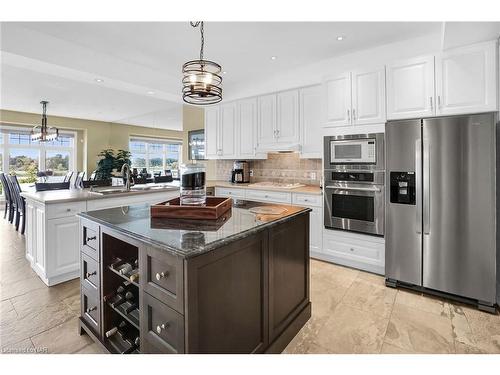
(43, 133)
(202, 83)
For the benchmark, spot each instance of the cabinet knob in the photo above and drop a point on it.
(162, 327)
(91, 239)
(352, 249)
(68, 209)
(161, 275)
(89, 310)
(88, 274)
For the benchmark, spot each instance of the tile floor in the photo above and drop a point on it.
(352, 312)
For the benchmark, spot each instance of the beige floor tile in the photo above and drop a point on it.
(37, 321)
(419, 331)
(349, 330)
(22, 347)
(485, 329)
(371, 277)
(13, 270)
(63, 338)
(392, 349)
(73, 302)
(370, 297)
(90, 349)
(7, 312)
(303, 343)
(423, 302)
(9, 290)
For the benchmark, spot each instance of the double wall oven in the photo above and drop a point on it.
(354, 193)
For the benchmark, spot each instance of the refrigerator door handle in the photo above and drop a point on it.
(418, 184)
(427, 187)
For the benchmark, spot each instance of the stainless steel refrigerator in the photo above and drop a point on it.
(441, 206)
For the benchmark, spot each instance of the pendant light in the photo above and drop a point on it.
(43, 133)
(202, 83)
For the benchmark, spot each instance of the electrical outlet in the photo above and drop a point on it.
(313, 175)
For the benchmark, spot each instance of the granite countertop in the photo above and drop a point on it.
(308, 189)
(188, 238)
(75, 195)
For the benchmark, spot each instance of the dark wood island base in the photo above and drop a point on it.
(248, 294)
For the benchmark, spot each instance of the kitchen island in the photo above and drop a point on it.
(52, 227)
(235, 285)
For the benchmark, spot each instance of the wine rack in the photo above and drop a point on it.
(120, 291)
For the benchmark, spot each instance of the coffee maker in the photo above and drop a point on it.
(241, 172)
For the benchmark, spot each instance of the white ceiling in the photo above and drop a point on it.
(60, 61)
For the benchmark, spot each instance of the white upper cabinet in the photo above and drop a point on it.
(227, 133)
(287, 119)
(466, 79)
(266, 130)
(338, 100)
(310, 122)
(410, 88)
(368, 97)
(212, 132)
(247, 129)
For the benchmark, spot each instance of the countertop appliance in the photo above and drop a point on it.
(241, 172)
(354, 174)
(441, 206)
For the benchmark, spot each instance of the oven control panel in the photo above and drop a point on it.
(402, 189)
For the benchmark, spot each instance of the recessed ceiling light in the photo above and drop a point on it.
(340, 38)
(224, 72)
(273, 57)
(151, 92)
(99, 80)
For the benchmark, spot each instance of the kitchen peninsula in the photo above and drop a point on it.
(52, 245)
(240, 285)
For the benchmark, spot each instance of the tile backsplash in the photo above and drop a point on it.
(278, 167)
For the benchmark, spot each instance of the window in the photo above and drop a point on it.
(156, 155)
(25, 158)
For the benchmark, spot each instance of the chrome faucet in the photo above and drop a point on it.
(126, 175)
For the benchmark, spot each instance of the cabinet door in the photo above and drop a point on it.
(211, 132)
(310, 122)
(247, 128)
(410, 88)
(267, 121)
(316, 229)
(287, 128)
(368, 97)
(63, 245)
(338, 100)
(227, 130)
(466, 80)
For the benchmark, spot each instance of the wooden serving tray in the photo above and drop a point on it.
(214, 208)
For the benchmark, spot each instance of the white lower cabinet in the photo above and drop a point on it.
(62, 240)
(355, 250)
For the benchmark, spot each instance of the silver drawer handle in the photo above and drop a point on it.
(377, 190)
(352, 249)
(88, 274)
(161, 275)
(162, 327)
(88, 311)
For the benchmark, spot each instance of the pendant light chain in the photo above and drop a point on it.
(202, 33)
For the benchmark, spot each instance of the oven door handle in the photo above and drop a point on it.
(374, 189)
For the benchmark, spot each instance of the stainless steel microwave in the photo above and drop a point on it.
(358, 149)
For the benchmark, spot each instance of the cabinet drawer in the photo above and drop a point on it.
(89, 239)
(307, 199)
(357, 250)
(228, 192)
(269, 196)
(162, 329)
(91, 309)
(162, 277)
(57, 210)
(89, 273)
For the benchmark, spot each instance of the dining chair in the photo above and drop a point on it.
(9, 206)
(45, 186)
(79, 180)
(20, 204)
(68, 176)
